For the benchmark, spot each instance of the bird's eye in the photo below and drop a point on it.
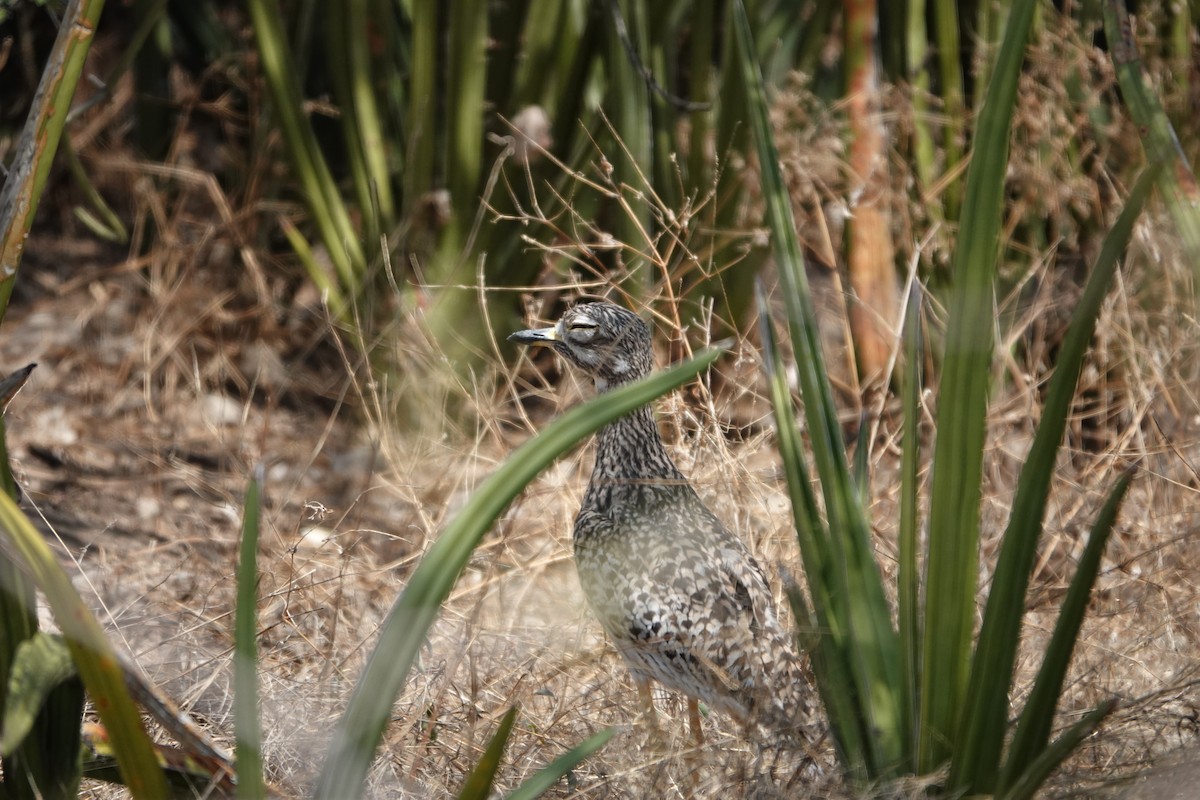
(582, 332)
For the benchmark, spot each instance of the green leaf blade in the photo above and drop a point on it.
(247, 726)
(92, 653)
(861, 626)
(478, 784)
(1033, 728)
(952, 566)
(361, 727)
(544, 780)
(987, 710)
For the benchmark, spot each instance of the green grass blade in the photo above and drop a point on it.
(950, 78)
(862, 456)
(340, 37)
(810, 530)
(381, 204)
(361, 727)
(1047, 760)
(42, 662)
(702, 80)
(907, 580)
(629, 105)
(479, 783)
(324, 201)
(100, 218)
(821, 630)
(543, 781)
(246, 720)
(1033, 728)
(41, 723)
(952, 566)
(466, 82)
(62, 745)
(856, 588)
(18, 618)
(1181, 193)
(41, 726)
(92, 653)
(424, 131)
(984, 721)
(330, 290)
(30, 165)
(923, 151)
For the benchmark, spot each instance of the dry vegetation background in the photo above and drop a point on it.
(169, 368)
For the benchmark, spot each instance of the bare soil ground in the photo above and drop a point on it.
(159, 388)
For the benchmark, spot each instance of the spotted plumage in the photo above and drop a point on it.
(680, 596)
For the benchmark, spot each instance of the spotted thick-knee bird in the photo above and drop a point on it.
(679, 594)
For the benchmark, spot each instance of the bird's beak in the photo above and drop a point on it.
(536, 336)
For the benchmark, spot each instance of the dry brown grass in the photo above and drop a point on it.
(138, 456)
(164, 377)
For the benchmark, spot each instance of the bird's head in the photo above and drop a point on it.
(610, 343)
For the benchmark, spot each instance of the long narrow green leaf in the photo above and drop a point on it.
(42, 662)
(977, 762)
(834, 679)
(856, 588)
(30, 165)
(908, 600)
(320, 191)
(18, 610)
(478, 784)
(1033, 728)
(544, 780)
(702, 81)
(424, 124)
(62, 744)
(950, 77)
(629, 101)
(359, 730)
(1178, 183)
(1045, 762)
(862, 456)
(922, 146)
(952, 566)
(732, 290)
(576, 107)
(375, 143)
(466, 81)
(340, 36)
(245, 653)
(42, 723)
(93, 655)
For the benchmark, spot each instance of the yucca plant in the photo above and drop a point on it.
(447, 117)
(923, 695)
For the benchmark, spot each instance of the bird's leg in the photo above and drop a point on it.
(694, 721)
(643, 687)
(655, 740)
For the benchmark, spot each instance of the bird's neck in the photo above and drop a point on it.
(630, 453)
